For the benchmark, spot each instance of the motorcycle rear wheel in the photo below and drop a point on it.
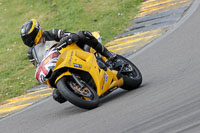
(65, 85)
(131, 80)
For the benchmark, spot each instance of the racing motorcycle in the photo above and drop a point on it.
(83, 76)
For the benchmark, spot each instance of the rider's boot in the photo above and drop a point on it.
(58, 97)
(104, 51)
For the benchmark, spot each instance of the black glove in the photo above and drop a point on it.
(70, 39)
(67, 40)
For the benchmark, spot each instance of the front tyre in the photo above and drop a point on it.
(86, 98)
(131, 75)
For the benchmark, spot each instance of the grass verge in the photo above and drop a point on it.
(109, 17)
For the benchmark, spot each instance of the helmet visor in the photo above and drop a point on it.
(29, 38)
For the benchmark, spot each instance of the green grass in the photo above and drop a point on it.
(109, 17)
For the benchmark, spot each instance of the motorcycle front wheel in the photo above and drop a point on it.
(85, 98)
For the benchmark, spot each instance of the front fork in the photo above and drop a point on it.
(80, 88)
(78, 81)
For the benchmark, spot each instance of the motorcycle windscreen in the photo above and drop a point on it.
(40, 50)
(48, 63)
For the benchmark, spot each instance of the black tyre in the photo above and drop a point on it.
(88, 99)
(132, 79)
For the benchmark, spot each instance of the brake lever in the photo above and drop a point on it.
(60, 46)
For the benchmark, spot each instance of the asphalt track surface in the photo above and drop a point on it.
(167, 102)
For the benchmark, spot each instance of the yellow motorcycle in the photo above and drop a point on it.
(83, 76)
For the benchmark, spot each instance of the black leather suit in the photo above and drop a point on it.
(81, 38)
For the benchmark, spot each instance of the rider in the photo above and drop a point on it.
(32, 35)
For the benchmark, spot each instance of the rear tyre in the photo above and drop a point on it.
(88, 99)
(132, 79)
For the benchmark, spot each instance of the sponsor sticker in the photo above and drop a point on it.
(105, 80)
(77, 65)
(106, 77)
(70, 58)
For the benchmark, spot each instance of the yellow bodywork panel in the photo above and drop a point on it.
(74, 57)
(62, 75)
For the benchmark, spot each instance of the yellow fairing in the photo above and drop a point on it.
(62, 75)
(74, 57)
